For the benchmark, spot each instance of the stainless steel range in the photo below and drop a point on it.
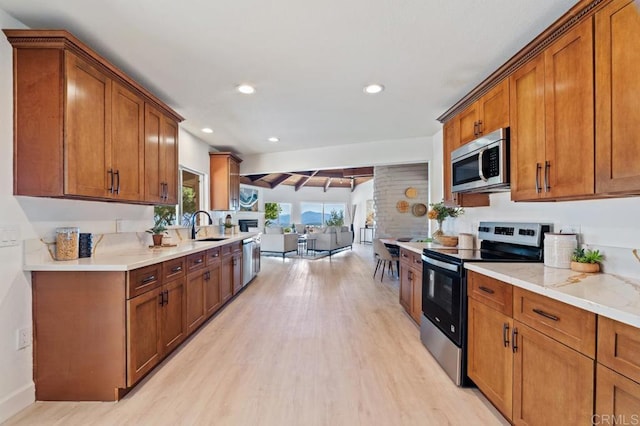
(444, 287)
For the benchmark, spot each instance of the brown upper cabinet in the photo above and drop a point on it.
(225, 181)
(552, 136)
(80, 123)
(161, 157)
(487, 114)
(451, 142)
(617, 31)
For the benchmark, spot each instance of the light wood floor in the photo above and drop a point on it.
(309, 342)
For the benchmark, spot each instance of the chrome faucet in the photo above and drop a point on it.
(193, 223)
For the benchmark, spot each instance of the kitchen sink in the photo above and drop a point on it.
(211, 239)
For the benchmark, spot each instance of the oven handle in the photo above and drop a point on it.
(440, 264)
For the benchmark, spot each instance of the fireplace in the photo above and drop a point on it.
(245, 224)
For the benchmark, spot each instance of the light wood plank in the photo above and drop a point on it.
(309, 342)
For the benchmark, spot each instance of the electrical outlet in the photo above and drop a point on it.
(24, 337)
(9, 236)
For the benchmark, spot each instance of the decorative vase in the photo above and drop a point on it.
(585, 267)
(157, 239)
(438, 231)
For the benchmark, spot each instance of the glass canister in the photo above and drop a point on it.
(558, 249)
(67, 243)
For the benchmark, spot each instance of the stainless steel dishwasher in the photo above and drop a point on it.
(250, 265)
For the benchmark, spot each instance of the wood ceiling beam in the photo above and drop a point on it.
(256, 177)
(279, 180)
(357, 172)
(329, 174)
(307, 173)
(327, 184)
(245, 180)
(302, 182)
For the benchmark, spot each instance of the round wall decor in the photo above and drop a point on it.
(411, 192)
(402, 206)
(419, 209)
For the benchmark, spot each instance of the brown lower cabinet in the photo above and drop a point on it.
(617, 398)
(411, 283)
(96, 334)
(517, 361)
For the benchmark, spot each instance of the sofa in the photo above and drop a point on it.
(274, 240)
(331, 239)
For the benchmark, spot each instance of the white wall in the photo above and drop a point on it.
(610, 225)
(359, 197)
(398, 151)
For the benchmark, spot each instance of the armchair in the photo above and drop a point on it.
(333, 239)
(274, 240)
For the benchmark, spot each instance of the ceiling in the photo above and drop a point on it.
(334, 178)
(309, 60)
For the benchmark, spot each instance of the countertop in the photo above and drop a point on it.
(132, 258)
(609, 295)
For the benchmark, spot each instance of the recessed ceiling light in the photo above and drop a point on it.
(373, 89)
(246, 89)
(207, 130)
(273, 139)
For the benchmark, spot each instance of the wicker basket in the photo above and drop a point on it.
(447, 240)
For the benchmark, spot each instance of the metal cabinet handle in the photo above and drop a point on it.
(547, 167)
(475, 128)
(546, 315)
(110, 173)
(538, 168)
(410, 276)
(176, 269)
(161, 297)
(198, 261)
(148, 279)
(505, 334)
(117, 173)
(514, 339)
(486, 289)
(166, 297)
(480, 127)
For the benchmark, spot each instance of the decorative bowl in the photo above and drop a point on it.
(447, 240)
(585, 267)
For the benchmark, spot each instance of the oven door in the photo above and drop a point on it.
(442, 296)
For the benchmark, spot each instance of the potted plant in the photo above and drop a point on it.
(158, 230)
(586, 260)
(439, 212)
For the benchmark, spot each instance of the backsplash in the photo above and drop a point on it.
(608, 225)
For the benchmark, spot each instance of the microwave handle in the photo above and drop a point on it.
(480, 173)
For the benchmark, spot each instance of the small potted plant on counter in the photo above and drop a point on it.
(157, 231)
(586, 260)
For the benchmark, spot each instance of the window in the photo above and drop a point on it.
(190, 197)
(320, 214)
(278, 214)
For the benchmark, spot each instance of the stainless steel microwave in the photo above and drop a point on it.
(482, 165)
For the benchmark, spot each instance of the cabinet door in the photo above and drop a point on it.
(490, 357)
(153, 185)
(527, 130)
(569, 115)
(451, 134)
(494, 109)
(617, 32)
(174, 319)
(169, 160)
(551, 381)
(127, 144)
(416, 294)
(405, 287)
(195, 295)
(144, 349)
(226, 278)
(87, 119)
(236, 263)
(212, 289)
(468, 124)
(617, 397)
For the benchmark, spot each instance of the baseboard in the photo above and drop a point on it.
(17, 401)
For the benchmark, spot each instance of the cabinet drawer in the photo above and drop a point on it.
(567, 324)
(196, 261)
(236, 247)
(619, 347)
(144, 279)
(231, 248)
(173, 268)
(406, 256)
(493, 293)
(213, 256)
